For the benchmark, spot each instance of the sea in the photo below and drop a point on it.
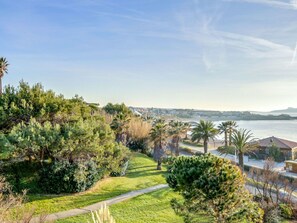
(286, 129)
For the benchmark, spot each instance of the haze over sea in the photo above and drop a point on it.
(286, 129)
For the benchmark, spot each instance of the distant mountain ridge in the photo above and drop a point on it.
(288, 110)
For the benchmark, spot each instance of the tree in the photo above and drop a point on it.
(205, 130)
(213, 185)
(114, 109)
(3, 70)
(223, 128)
(20, 104)
(273, 190)
(177, 130)
(120, 126)
(188, 128)
(243, 142)
(232, 125)
(159, 137)
(139, 134)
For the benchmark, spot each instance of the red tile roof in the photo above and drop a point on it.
(281, 143)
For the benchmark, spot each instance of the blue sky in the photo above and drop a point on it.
(218, 54)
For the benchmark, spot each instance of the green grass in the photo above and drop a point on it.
(141, 174)
(149, 208)
(190, 143)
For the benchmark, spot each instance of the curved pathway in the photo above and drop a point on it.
(96, 206)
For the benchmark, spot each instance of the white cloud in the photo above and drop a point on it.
(289, 4)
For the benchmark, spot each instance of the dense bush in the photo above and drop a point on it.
(114, 109)
(286, 211)
(65, 177)
(226, 150)
(21, 175)
(276, 154)
(40, 127)
(213, 185)
(25, 102)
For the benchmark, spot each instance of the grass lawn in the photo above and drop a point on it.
(141, 173)
(190, 143)
(149, 208)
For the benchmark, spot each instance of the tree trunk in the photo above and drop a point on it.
(177, 147)
(205, 144)
(159, 166)
(0, 85)
(226, 139)
(230, 137)
(240, 158)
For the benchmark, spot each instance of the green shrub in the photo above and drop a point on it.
(286, 211)
(139, 145)
(65, 177)
(211, 184)
(272, 215)
(21, 175)
(276, 154)
(227, 150)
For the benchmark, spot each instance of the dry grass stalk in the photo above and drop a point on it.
(102, 215)
(139, 129)
(11, 208)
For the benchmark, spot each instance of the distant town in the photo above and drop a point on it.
(196, 114)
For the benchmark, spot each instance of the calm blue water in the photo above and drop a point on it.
(262, 129)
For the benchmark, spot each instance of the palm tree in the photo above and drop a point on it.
(120, 125)
(232, 125)
(188, 128)
(243, 142)
(3, 70)
(223, 128)
(177, 130)
(205, 130)
(159, 137)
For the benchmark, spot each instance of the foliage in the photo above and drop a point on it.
(41, 127)
(243, 142)
(226, 150)
(231, 128)
(223, 128)
(3, 70)
(65, 177)
(190, 143)
(272, 215)
(211, 184)
(205, 130)
(286, 211)
(11, 206)
(141, 174)
(25, 102)
(273, 190)
(21, 175)
(3, 66)
(138, 135)
(114, 109)
(159, 135)
(177, 130)
(275, 153)
(73, 140)
(120, 126)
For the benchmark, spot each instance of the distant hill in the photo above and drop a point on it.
(194, 114)
(285, 111)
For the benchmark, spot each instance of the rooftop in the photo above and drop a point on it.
(278, 142)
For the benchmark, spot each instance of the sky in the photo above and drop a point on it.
(201, 54)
